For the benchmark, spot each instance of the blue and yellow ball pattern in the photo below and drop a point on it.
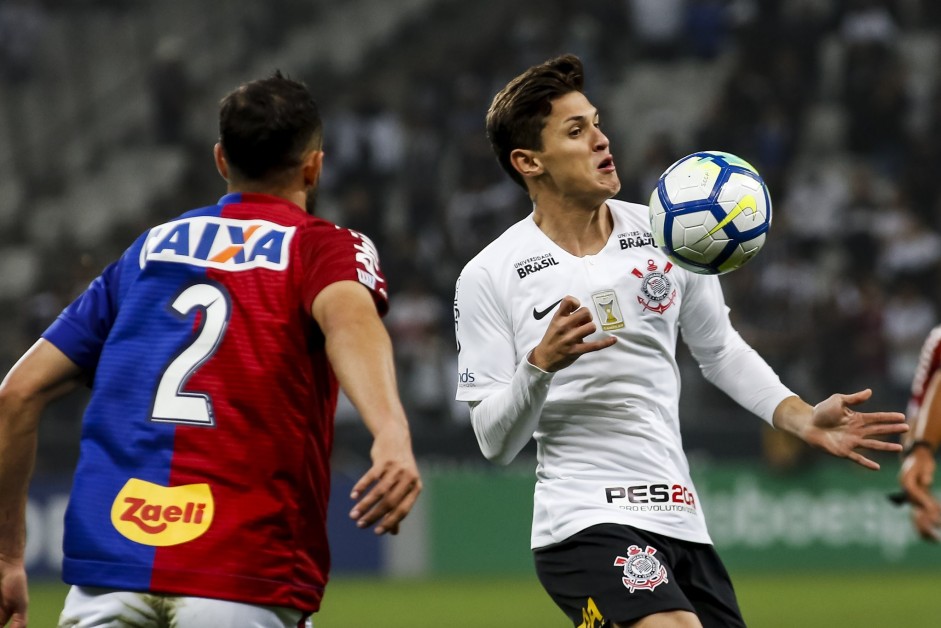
(710, 212)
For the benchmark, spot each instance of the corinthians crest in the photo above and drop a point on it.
(642, 570)
(659, 293)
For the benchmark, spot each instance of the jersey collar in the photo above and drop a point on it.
(257, 199)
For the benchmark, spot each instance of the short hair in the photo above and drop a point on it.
(518, 112)
(266, 126)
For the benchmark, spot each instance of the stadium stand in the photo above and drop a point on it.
(835, 102)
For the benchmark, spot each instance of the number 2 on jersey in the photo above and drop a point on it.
(171, 404)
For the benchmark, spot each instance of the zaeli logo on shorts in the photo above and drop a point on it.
(642, 570)
(657, 287)
(159, 516)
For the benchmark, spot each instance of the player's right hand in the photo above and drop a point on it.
(916, 477)
(14, 598)
(564, 340)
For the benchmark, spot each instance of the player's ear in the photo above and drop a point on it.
(312, 167)
(526, 162)
(221, 165)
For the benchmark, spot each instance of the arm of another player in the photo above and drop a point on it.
(833, 425)
(918, 464)
(41, 375)
(360, 353)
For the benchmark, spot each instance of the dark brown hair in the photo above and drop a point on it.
(518, 112)
(266, 127)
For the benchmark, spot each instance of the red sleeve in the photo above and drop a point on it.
(329, 254)
(929, 362)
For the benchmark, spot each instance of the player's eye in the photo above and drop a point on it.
(575, 131)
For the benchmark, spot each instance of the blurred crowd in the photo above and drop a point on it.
(836, 102)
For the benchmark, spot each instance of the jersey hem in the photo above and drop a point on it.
(540, 540)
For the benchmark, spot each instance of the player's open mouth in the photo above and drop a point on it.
(607, 165)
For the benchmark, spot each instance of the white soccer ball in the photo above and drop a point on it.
(711, 212)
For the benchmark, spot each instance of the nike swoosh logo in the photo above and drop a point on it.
(747, 204)
(539, 315)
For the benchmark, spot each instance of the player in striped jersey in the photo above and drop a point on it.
(918, 457)
(215, 347)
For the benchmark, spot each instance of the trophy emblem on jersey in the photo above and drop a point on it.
(659, 293)
(609, 312)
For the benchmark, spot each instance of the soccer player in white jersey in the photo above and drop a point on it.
(567, 326)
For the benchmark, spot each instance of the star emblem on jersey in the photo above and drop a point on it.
(642, 570)
(658, 291)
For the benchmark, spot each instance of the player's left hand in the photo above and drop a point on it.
(14, 599)
(839, 430)
(916, 478)
(388, 490)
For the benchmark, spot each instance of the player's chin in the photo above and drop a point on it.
(611, 183)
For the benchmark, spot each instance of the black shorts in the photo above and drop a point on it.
(617, 573)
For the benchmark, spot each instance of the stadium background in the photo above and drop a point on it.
(107, 119)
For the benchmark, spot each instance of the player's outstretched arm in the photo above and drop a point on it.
(360, 352)
(41, 375)
(833, 425)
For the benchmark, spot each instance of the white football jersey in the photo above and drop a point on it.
(608, 440)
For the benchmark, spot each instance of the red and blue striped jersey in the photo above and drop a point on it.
(929, 361)
(204, 462)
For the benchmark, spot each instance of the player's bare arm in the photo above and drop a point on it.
(918, 465)
(916, 478)
(360, 352)
(41, 375)
(564, 340)
(834, 426)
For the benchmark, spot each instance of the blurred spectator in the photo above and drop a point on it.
(909, 248)
(909, 316)
(658, 27)
(874, 95)
(707, 27)
(22, 24)
(479, 208)
(414, 321)
(170, 91)
(866, 202)
(810, 208)
(851, 333)
(658, 154)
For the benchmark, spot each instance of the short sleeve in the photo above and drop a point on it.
(81, 329)
(330, 254)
